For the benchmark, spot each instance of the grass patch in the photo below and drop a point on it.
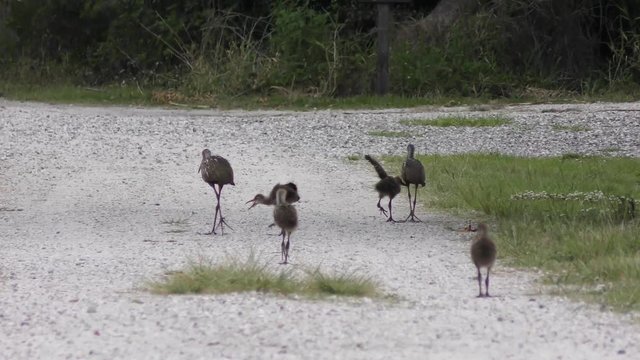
(61, 93)
(346, 284)
(385, 133)
(447, 121)
(571, 128)
(354, 157)
(573, 215)
(204, 277)
(116, 94)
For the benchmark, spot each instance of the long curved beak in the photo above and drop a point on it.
(252, 201)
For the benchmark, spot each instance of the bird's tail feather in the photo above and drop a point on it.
(377, 166)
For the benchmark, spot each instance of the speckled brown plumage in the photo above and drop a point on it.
(412, 173)
(216, 171)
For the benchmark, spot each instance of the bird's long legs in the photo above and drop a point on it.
(215, 216)
(410, 208)
(382, 210)
(390, 212)
(283, 250)
(412, 213)
(479, 282)
(221, 221)
(486, 283)
(286, 249)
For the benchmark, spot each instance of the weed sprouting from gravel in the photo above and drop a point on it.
(232, 276)
(341, 284)
(205, 277)
(447, 121)
(570, 128)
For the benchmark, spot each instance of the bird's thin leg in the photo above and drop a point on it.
(215, 216)
(413, 210)
(221, 221)
(390, 212)
(282, 251)
(479, 282)
(486, 283)
(410, 209)
(286, 249)
(382, 210)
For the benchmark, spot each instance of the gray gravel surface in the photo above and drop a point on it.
(95, 201)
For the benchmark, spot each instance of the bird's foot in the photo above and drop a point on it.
(487, 295)
(223, 223)
(412, 218)
(479, 296)
(383, 211)
(390, 219)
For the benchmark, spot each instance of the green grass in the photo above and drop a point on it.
(341, 284)
(447, 121)
(571, 128)
(110, 95)
(204, 277)
(569, 215)
(59, 91)
(385, 133)
(354, 157)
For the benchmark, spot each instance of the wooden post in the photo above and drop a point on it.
(383, 27)
(382, 68)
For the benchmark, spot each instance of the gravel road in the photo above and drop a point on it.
(95, 201)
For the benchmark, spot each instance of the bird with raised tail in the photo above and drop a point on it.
(286, 217)
(387, 186)
(412, 173)
(483, 254)
(216, 171)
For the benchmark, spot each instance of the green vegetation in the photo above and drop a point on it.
(55, 93)
(302, 54)
(354, 157)
(231, 276)
(385, 133)
(571, 128)
(576, 216)
(347, 284)
(459, 121)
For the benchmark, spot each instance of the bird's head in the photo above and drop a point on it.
(293, 186)
(206, 153)
(482, 228)
(258, 199)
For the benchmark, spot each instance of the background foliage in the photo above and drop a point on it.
(203, 48)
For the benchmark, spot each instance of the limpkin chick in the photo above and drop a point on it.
(387, 186)
(216, 170)
(292, 195)
(483, 254)
(412, 173)
(286, 217)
